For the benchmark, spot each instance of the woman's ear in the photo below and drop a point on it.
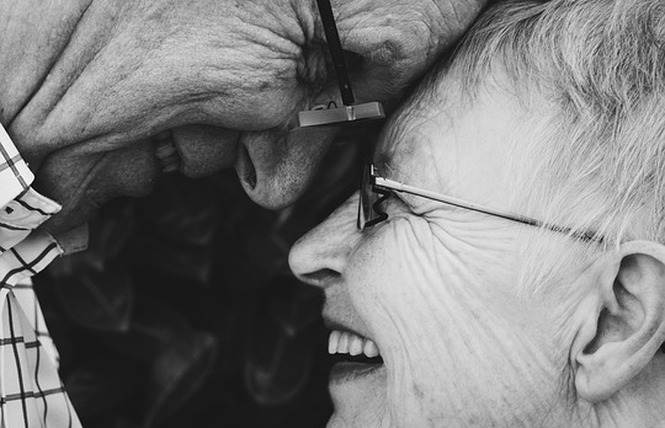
(625, 325)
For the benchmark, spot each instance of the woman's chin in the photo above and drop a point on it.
(358, 392)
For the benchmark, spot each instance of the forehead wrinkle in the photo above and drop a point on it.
(406, 135)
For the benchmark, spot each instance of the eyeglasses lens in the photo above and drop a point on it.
(367, 199)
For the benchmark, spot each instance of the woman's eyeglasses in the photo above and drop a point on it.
(374, 190)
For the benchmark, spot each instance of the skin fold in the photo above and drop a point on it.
(86, 85)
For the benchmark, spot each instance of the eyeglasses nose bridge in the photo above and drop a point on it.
(370, 199)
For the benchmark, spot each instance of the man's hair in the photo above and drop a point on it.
(599, 155)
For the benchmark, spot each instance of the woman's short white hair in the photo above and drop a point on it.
(599, 157)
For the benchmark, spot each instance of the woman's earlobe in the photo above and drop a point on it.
(626, 328)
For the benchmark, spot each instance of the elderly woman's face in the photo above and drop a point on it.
(434, 287)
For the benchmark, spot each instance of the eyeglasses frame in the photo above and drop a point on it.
(350, 112)
(385, 187)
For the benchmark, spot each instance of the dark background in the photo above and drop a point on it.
(183, 312)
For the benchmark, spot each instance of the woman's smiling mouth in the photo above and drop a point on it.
(347, 343)
(354, 356)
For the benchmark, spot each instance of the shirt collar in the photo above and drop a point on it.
(15, 176)
(22, 209)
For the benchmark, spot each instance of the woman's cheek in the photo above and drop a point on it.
(421, 290)
(403, 285)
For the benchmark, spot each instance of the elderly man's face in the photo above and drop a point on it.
(435, 287)
(87, 85)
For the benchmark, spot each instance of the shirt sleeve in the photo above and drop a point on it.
(15, 176)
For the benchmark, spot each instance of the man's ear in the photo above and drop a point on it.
(624, 326)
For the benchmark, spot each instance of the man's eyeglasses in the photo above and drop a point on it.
(350, 112)
(374, 190)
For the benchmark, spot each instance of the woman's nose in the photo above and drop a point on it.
(319, 257)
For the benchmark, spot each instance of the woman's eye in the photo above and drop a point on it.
(397, 204)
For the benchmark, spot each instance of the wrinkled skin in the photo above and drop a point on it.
(436, 287)
(86, 84)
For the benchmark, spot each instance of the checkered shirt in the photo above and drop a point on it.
(31, 393)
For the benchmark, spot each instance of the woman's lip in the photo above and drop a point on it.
(332, 325)
(348, 372)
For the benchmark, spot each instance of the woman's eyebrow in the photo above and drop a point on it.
(384, 165)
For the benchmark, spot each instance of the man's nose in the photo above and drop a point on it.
(320, 257)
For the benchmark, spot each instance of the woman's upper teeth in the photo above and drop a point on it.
(344, 342)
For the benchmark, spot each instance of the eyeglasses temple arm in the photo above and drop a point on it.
(449, 200)
(336, 52)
